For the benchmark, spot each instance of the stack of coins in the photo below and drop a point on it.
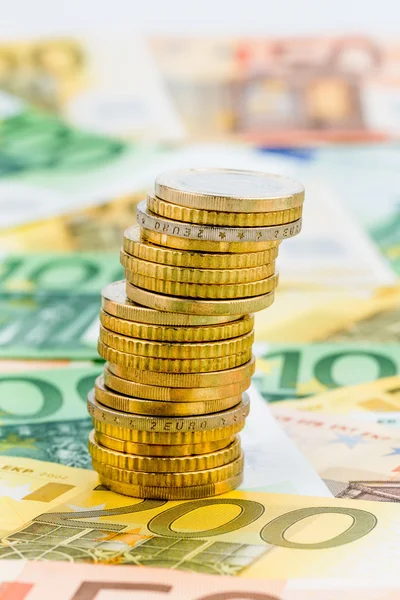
(177, 334)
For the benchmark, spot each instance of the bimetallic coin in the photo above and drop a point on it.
(170, 333)
(189, 478)
(136, 247)
(156, 408)
(180, 243)
(229, 190)
(214, 292)
(176, 351)
(161, 450)
(169, 493)
(203, 307)
(172, 365)
(224, 219)
(136, 266)
(167, 438)
(155, 464)
(211, 233)
(191, 424)
(115, 302)
(185, 380)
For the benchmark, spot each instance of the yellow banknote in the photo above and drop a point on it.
(250, 534)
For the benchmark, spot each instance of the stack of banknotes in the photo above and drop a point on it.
(317, 514)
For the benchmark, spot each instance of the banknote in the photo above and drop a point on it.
(50, 423)
(49, 324)
(283, 90)
(36, 580)
(357, 460)
(250, 534)
(73, 273)
(85, 79)
(301, 370)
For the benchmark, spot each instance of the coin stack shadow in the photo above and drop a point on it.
(177, 335)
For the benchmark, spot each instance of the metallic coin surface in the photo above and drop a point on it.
(134, 246)
(185, 380)
(171, 333)
(161, 450)
(214, 233)
(192, 245)
(173, 394)
(139, 406)
(172, 365)
(211, 292)
(177, 479)
(191, 424)
(171, 350)
(136, 266)
(169, 493)
(167, 438)
(154, 464)
(163, 302)
(229, 190)
(115, 302)
(224, 219)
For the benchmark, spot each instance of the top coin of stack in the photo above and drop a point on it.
(178, 344)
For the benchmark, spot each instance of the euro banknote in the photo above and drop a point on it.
(36, 580)
(50, 422)
(55, 512)
(285, 371)
(357, 460)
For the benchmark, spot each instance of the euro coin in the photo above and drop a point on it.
(224, 219)
(164, 302)
(229, 190)
(159, 449)
(185, 380)
(177, 334)
(134, 246)
(169, 493)
(154, 464)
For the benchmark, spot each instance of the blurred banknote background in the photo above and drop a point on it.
(88, 117)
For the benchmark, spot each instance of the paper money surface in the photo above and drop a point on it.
(251, 534)
(48, 580)
(50, 423)
(285, 371)
(357, 460)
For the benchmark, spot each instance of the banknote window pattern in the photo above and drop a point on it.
(46, 541)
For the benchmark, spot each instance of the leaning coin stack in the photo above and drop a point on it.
(177, 334)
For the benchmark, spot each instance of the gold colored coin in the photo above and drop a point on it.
(224, 219)
(202, 307)
(136, 266)
(167, 438)
(154, 464)
(204, 333)
(190, 478)
(213, 292)
(134, 246)
(172, 365)
(170, 241)
(169, 350)
(185, 380)
(160, 450)
(166, 395)
(115, 302)
(229, 190)
(157, 408)
(181, 493)
(170, 425)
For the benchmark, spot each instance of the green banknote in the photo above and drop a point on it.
(287, 371)
(50, 420)
(72, 273)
